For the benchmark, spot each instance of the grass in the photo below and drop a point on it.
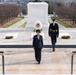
(13, 22)
(64, 24)
(23, 25)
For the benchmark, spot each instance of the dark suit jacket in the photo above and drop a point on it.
(37, 43)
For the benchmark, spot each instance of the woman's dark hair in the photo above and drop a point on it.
(38, 31)
(53, 19)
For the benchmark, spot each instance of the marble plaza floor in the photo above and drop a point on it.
(24, 37)
(22, 61)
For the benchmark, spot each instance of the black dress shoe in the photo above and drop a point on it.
(53, 50)
(38, 62)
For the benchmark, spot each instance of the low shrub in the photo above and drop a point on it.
(8, 37)
(65, 37)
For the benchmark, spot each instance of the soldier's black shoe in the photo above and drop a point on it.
(53, 50)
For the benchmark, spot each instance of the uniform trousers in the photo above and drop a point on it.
(53, 40)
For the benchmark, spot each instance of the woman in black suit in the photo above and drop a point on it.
(38, 45)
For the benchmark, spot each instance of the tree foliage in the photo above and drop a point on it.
(7, 12)
(66, 11)
(50, 7)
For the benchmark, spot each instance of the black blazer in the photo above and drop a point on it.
(37, 43)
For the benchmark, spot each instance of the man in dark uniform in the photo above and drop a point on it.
(38, 44)
(53, 33)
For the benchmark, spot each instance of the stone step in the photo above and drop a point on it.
(30, 46)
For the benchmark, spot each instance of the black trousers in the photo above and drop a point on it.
(38, 54)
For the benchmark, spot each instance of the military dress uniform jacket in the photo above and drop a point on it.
(37, 43)
(53, 31)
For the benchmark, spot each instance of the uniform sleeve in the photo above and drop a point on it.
(57, 30)
(49, 30)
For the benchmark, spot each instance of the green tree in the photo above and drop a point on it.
(24, 11)
(50, 8)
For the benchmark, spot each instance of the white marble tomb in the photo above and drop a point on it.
(37, 11)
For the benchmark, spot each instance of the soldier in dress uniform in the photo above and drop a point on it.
(53, 33)
(38, 45)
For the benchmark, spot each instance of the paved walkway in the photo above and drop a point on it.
(22, 61)
(15, 26)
